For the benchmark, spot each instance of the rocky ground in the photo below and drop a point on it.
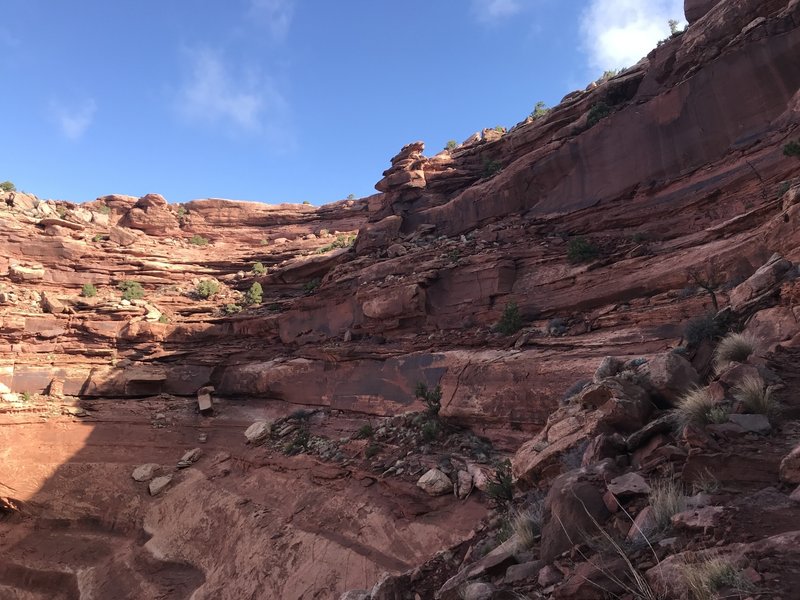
(462, 386)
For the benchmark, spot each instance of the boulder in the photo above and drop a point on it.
(122, 236)
(630, 484)
(435, 483)
(669, 376)
(763, 282)
(697, 9)
(158, 484)
(790, 466)
(23, 274)
(145, 472)
(572, 507)
(51, 304)
(258, 432)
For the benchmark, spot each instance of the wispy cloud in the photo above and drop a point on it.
(73, 120)
(275, 15)
(618, 33)
(490, 11)
(244, 101)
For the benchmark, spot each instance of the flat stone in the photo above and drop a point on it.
(192, 455)
(752, 423)
(630, 484)
(145, 472)
(528, 570)
(702, 518)
(158, 484)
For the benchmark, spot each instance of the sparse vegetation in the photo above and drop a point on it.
(26, 396)
(709, 278)
(705, 578)
(755, 396)
(231, 309)
(104, 209)
(181, 212)
(163, 319)
(666, 500)
(432, 398)
(371, 450)
(500, 487)
(88, 290)
(673, 27)
(597, 113)
(207, 288)
(351, 196)
(255, 295)
(451, 145)
(312, 285)
(792, 149)
(341, 241)
(719, 414)
(527, 523)
(364, 432)
(8, 186)
(259, 269)
(99, 237)
(540, 110)
(706, 483)
(734, 347)
(581, 250)
(198, 240)
(491, 168)
(430, 430)
(131, 290)
(500, 129)
(306, 203)
(699, 329)
(693, 408)
(511, 321)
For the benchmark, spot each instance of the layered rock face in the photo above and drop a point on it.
(502, 271)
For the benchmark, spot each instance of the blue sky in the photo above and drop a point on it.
(282, 100)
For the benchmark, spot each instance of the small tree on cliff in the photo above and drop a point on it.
(254, 295)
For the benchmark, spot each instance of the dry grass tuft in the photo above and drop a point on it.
(708, 576)
(527, 524)
(694, 408)
(734, 347)
(666, 500)
(755, 396)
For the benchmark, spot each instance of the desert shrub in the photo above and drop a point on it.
(666, 500)
(755, 396)
(580, 250)
(539, 110)
(341, 241)
(181, 212)
(163, 319)
(371, 450)
(131, 290)
(511, 321)
(312, 285)
(306, 203)
(706, 483)
(364, 432)
(254, 295)
(451, 145)
(198, 240)
(500, 129)
(207, 288)
(710, 575)
(8, 186)
(104, 209)
(734, 347)
(26, 396)
(699, 329)
(556, 326)
(693, 408)
(597, 113)
(88, 290)
(430, 430)
(432, 398)
(351, 196)
(719, 414)
(792, 149)
(231, 309)
(259, 269)
(491, 168)
(99, 237)
(527, 523)
(500, 488)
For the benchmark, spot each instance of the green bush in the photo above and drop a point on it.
(451, 145)
(597, 113)
(312, 285)
(431, 397)
(500, 129)
(342, 241)
(259, 269)
(580, 250)
(26, 396)
(306, 202)
(231, 309)
(491, 168)
(207, 288)
(792, 149)
(163, 319)
(7, 186)
(511, 321)
(430, 430)
(364, 432)
(500, 487)
(131, 290)
(181, 212)
(198, 240)
(88, 290)
(539, 110)
(704, 327)
(351, 196)
(371, 450)
(254, 295)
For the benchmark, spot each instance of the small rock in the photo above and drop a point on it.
(790, 466)
(528, 570)
(257, 432)
(158, 484)
(479, 591)
(435, 483)
(463, 484)
(701, 518)
(752, 423)
(643, 525)
(145, 472)
(183, 464)
(192, 455)
(549, 575)
(630, 484)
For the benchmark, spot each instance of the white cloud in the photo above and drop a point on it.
(618, 33)
(74, 120)
(276, 15)
(494, 10)
(243, 101)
